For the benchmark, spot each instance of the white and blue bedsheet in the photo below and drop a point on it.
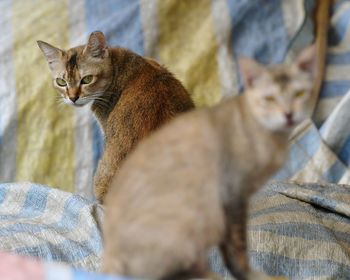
(50, 224)
(296, 230)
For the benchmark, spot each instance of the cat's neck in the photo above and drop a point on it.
(126, 66)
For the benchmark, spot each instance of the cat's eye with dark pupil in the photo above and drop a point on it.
(299, 94)
(269, 98)
(86, 80)
(61, 82)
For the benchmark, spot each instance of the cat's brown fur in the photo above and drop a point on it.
(131, 95)
(186, 187)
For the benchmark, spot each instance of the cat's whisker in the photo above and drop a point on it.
(93, 97)
(58, 99)
(101, 98)
(100, 101)
(61, 103)
(103, 105)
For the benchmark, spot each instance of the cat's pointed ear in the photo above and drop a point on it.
(51, 53)
(250, 70)
(97, 45)
(306, 61)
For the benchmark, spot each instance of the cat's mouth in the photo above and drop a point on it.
(290, 122)
(78, 105)
(77, 102)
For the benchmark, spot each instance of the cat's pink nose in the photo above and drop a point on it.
(289, 119)
(289, 116)
(74, 98)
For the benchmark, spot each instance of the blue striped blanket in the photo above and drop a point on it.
(50, 224)
(301, 231)
(296, 230)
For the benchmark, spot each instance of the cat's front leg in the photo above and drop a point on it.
(101, 180)
(107, 167)
(234, 246)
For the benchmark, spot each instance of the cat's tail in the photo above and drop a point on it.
(321, 21)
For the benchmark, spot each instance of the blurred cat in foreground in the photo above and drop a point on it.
(186, 188)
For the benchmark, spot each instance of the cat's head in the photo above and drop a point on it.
(280, 95)
(80, 74)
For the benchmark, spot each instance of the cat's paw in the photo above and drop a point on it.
(256, 275)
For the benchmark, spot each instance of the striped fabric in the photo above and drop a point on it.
(300, 230)
(337, 81)
(320, 152)
(50, 224)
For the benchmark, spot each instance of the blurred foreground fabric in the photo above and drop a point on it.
(14, 267)
(299, 229)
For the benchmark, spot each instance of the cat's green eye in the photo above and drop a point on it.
(86, 80)
(299, 93)
(269, 98)
(61, 82)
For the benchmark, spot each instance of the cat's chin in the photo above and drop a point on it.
(78, 105)
(289, 128)
(286, 128)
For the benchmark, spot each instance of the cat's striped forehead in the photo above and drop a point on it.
(72, 57)
(71, 64)
(284, 76)
(72, 60)
(281, 75)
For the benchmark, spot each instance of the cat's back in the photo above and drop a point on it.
(150, 95)
(168, 90)
(145, 75)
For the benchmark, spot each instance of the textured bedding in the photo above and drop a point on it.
(301, 231)
(50, 224)
(299, 228)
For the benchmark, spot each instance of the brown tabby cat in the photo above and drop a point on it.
(175, 194)
(131, 96)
